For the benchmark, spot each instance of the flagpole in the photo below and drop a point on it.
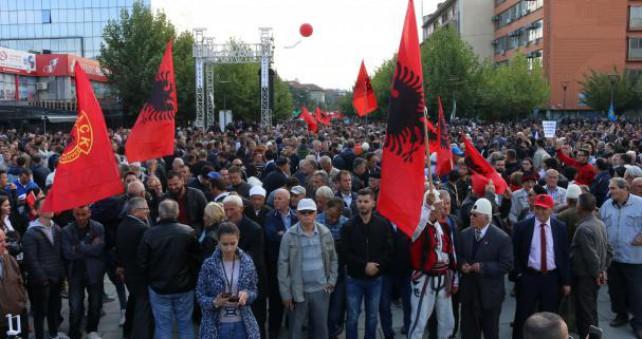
(426, 139)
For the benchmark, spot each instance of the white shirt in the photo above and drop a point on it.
(535, 253)
(347, 198)
(482, 232)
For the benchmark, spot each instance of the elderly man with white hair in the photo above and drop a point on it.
(558, 193)
(485, 255)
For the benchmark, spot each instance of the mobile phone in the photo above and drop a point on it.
(595, 332)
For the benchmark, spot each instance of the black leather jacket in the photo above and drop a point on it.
(169, 255)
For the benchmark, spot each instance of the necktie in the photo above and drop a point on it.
(477, 234)
(542, 249)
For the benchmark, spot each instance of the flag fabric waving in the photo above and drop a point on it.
(322, 117)
(364, 100)
(153, 134)
(444, 154)
(313, 126)
(478, 165)
(403, 160)
(611, 114)
(86, 170)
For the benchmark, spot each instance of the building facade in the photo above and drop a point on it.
(58, 26)
(469, 18)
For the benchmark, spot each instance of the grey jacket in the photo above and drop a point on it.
(590, 250)
(290, 261)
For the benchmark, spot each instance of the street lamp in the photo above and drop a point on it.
(564, 87)
(224, 92)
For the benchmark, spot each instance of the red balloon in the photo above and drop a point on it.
(305, 30)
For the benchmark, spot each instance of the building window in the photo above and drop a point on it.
(635, 49)
(534, 58)
(635, 17)
(535, 31)
(501, 45)
(46, 16)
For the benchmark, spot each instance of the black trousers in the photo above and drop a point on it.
(275, 315)
(585, 290)
(259, 308)
(624, 289)
(77, 289)
(535, 292)
(45, 302)
(139, 320)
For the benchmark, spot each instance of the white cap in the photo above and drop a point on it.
(483, 206)
(365, 146)
(306, 205)
(573, 191)
(257, 190)
(435, 194)
(298, 190)
(254, 181)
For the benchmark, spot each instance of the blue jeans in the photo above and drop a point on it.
(232, 330)
(337, 314)
(357, 290)
(390, 283)
(166, 308)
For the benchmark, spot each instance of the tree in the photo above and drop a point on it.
(626, 91)
(511, 90)
(381, 82)
(185, 78)
(131, 53)
(451, 70)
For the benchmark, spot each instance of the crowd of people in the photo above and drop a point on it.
(243, 229)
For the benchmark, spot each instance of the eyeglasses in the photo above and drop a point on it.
(307, 212)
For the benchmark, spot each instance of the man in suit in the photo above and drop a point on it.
(343, 184)
(485, 254)
(542, 263)
(139, 321)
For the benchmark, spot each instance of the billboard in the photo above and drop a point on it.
(63, 65)
(17, 62)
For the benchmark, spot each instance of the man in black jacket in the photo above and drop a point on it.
(191, 202)
(83, 246)
(169, 256)
(367, 247)
(277, 177)
(139, 321)
(252, 242)
(44, 265)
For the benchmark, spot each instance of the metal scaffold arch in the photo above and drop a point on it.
(207, 54)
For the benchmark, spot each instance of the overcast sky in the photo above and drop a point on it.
(345, 31)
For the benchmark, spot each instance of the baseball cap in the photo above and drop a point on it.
(573, 191)
(306, 205)
(257, 190)
(213, 175)
(297, 190)
(544, 200)
(483, 206)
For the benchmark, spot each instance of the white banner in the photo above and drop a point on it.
(549, 128)
(11, 59)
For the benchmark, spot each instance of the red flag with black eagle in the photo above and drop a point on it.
(403, 161)
(153, 134)
(364, 100)
(313, 126)
(86, 170)
(478, 165)
(322, 117)
(444, 154)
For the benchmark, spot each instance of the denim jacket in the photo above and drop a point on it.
(623, 224)
(290, 262)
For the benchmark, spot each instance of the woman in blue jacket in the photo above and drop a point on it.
(227, 285)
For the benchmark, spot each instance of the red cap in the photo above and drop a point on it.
(544, 200)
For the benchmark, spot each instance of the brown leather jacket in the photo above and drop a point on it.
(13, 297)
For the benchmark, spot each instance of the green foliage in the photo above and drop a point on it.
(451, 70)
(627, 91)
(132, 51)
(185, 79)
(511, 90)
(381, 82)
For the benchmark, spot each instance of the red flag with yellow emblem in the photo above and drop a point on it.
(86, 170)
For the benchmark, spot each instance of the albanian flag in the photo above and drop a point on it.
(153, 134)
(322, 117)
(87, 170)
(364, 100)
(313, 126)
(478, 165)
(444, 154)
(402, 172)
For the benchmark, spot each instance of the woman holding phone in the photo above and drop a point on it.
(227, 285)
